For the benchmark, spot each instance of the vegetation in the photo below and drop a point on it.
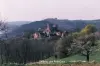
(88, 29)
(25, 49)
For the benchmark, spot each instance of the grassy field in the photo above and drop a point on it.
(87, 64)
(95, 56)
(65, 65)
(76, 64)
(75, 60)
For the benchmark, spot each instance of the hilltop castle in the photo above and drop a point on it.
(49, 31)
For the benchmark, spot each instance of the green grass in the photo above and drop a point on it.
(68, 60)
(94, 56)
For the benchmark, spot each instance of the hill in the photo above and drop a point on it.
(69, 25)
(18, 23)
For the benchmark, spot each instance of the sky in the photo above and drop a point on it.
(31, 10)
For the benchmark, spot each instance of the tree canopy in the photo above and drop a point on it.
(88, 29)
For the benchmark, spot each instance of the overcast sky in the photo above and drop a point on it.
(16, 10)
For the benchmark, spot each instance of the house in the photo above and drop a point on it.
(49, 32)
(36, 35)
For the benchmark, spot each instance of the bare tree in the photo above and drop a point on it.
(4, 30)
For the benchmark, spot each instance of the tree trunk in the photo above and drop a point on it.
(1, 56)
(87, 56)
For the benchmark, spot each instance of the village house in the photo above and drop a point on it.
(48, 32)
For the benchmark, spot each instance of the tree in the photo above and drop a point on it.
(28, 33)
(87, 44)
(1, 52)
(63, 47)
(88, 29)
(75, 34)
(4, 29)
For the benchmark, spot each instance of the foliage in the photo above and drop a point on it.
(24, 50)
(76, 34)
(63, 47)
(86, 43)
(88, 29)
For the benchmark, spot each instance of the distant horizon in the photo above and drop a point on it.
(49, 18)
